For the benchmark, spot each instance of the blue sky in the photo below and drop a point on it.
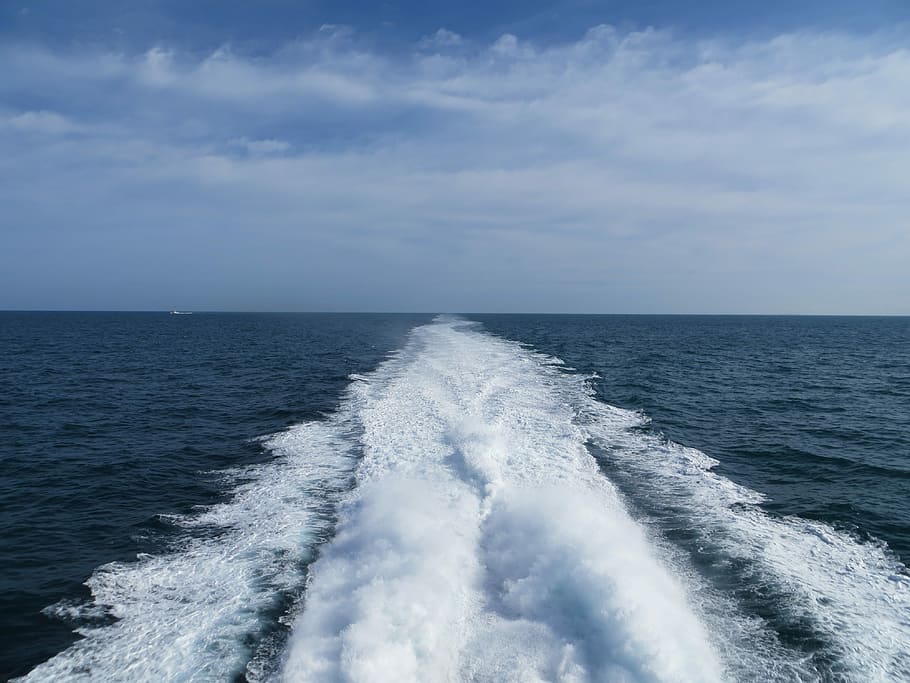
(576, 156)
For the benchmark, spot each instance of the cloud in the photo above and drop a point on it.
(625, 171)
(41, 121)
(263, 147)
(441, 40)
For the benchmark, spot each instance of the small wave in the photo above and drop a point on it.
(852, 597)
(197, 613)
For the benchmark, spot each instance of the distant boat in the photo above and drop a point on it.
(181, 313)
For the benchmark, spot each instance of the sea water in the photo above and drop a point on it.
(390, 498)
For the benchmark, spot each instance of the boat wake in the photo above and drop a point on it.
(464, 530)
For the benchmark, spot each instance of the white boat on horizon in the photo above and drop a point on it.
(181, 313)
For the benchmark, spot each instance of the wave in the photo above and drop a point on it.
(850, 599)
(202, 611)
(452, 522)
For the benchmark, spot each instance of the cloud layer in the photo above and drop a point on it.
(622, 172)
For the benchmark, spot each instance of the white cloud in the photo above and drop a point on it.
(46, 122)
(157, 68)
(441, 40)
(712, 176)
(262, 147)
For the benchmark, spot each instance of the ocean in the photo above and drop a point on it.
(259, 497)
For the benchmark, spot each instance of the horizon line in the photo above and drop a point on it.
(440, 312)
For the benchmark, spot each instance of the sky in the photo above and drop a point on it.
(564, 157)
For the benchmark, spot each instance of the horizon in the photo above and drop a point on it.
(470, 313)
(712, 159)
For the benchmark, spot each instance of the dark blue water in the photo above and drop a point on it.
(112, 422)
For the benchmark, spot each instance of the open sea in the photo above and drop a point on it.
(359, 497)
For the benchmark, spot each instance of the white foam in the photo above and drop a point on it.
(481, 541)
(854, 596)
(188, 615)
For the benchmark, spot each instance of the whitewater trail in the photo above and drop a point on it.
(482, 543)
(463, 530)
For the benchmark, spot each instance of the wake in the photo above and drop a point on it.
(481, 541)
(449, 522)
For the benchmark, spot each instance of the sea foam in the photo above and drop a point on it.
(196, 613)
(482, 543)
(853, 597)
